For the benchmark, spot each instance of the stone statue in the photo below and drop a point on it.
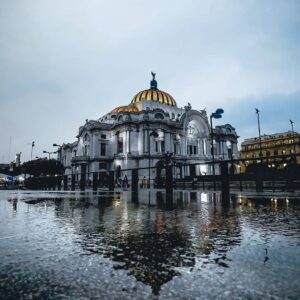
(153, 83)
(188, 107)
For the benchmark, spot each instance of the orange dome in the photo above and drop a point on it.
(125, 108)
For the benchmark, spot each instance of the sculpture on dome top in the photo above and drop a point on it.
(153, 83)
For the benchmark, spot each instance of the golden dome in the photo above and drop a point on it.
(154, 94)
(125, 108)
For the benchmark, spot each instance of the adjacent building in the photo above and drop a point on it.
(140, 134)
(285, 143)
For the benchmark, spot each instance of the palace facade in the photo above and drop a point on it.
(139, 135)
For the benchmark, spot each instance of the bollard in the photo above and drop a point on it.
(259, 179)
(95, 181)
(134, 180)
(111, 181)
(65, 178)
(169, 179)
(169, 187)
(58, 181)
(224, 182)
(82, 182)
(73, 182)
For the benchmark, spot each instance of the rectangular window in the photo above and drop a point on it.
(156, 146)
(175, 150)
(103, 136)
(195, 149)
(162, 146)
(102, 149)
(120, 145)
(191, 149)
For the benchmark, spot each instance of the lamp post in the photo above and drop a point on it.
(155, 134)
(258, 124)
(49, 153)
(216, 115)
(58, 151)
(32, 145)
(293, 132)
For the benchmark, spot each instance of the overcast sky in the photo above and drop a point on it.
(64, 61)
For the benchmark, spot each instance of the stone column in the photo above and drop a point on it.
(129, 141)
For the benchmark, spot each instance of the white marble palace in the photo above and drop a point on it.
(139, 135)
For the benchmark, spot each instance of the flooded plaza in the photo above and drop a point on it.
(119, 245)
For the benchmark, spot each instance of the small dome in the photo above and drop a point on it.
(154, 94)
(125, 108)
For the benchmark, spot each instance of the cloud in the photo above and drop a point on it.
(64, 61)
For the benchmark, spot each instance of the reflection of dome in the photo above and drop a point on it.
(121, 109)
(154, 94)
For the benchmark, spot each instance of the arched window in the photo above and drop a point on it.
(86, 150)
(86, 138)
(120, 119)
(159, 116)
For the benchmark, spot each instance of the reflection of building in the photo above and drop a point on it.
(152, 243)
(274, 144)
(150, 126)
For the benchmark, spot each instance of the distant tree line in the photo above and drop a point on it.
(38, 167)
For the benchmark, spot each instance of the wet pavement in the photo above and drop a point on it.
(192, 245)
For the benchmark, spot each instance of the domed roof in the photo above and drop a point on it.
(154, 94)
(125, 108)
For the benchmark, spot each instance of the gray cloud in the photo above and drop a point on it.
(64, 61)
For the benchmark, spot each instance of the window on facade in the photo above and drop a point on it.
(120, 145)
(195, 149)
(163, 146)
(173, 116)
(156, 146)
(102, 149)
(85, 151)
(175, 149)
(189, 149)
(86, 138)
(103, 136)
(102, 166)
(159, 116)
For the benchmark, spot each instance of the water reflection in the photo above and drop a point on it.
(152, 241)
(154, 238)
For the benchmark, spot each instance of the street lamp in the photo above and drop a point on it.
(293, 132)
(49, 153)
(58, 151)
(155, 134)
(258, 123)
(216, 115)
